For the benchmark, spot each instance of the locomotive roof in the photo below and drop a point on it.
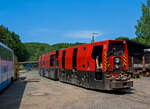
(92, 44)
(85, 45)
(3, 45)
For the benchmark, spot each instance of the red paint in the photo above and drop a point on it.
(83, 57)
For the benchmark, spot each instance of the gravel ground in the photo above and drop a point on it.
(35, 92)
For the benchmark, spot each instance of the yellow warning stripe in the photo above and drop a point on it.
(108, 65)
(106, 60)
(124, 60)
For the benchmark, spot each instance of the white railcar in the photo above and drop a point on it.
(6, 66)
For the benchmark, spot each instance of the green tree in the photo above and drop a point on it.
(37, 49)
(122, 38)
(11, 39)
(143, 25)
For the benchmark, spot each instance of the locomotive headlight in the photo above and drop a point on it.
(117, 60)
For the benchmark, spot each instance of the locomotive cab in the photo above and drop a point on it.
(116, 66)
(116, 59)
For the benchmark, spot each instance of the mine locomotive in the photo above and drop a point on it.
(100, 65)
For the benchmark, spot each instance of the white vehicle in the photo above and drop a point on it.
(6, 66)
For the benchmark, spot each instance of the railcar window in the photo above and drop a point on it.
(4, 57)
(75, 58)
(57, 54)
(4, 54)
(9, 55)
(97, 51)
(116, 49)
(97, 56)
(12, 56)
(52, 58)
(63, 59)
(0, 51)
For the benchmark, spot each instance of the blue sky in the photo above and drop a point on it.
(56, 21)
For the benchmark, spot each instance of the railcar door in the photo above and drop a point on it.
(75, 58)
(56, 59)
(56, 64)
(63, 59)
(97, 77)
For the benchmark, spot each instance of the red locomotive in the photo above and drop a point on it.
(99, 65)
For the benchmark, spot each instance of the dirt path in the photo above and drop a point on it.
(36, 92)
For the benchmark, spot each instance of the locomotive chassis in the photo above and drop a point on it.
(74, 73)
(89, 83)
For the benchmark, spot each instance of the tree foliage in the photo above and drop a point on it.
(37, 49)
(122, 38)
(28, 51)
(143, 25)
(12, 40)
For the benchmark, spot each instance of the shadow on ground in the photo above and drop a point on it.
(117, 92)
(11, 97)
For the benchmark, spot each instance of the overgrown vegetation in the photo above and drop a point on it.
(143, 26)
(122, 38)
(28, 51)
(37, 49)
(11, 39)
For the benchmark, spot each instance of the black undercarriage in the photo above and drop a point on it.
(90, 80)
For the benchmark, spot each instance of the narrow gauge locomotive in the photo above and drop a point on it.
(6, 66)
(99, 65)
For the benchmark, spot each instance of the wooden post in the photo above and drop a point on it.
(143, 62)
(132, 63)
